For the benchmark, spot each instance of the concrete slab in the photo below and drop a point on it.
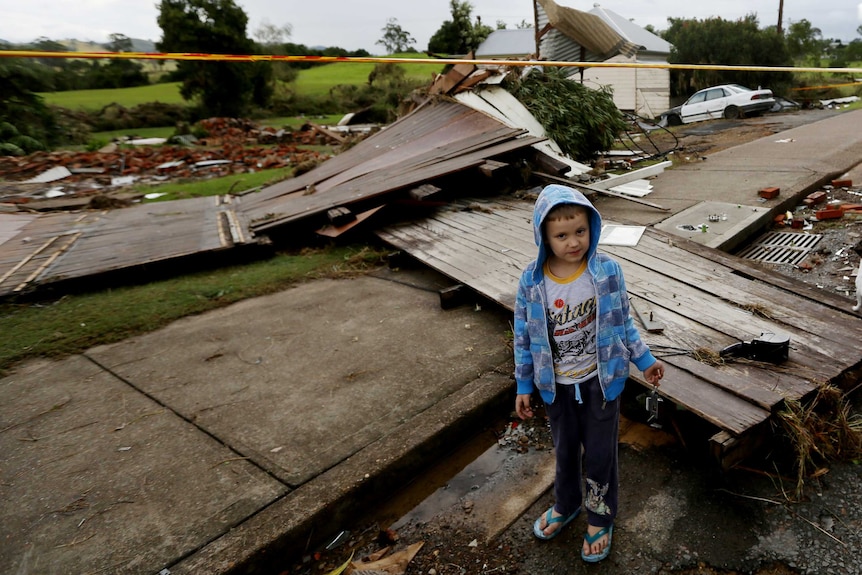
(797, 161)
(98, 478)
(300, 380)
(717, 225)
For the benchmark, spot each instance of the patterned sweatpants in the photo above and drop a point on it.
(590, 428)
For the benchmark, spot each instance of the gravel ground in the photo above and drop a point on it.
(678, 515)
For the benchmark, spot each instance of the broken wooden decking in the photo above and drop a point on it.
(41, 249)
(706, 300)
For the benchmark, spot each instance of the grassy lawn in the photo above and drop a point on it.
(317, 81)
(234, 184)
(77, 322)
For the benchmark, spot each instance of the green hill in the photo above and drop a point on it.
(315, 82)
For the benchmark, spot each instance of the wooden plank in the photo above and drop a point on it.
(714, 292)
(647, 317)
(423, 192)
(715, 405)
(618, 180)
(760, 386)
(708, 310)
(332, 231)
(452, 78)
(489, 168)
(714, 277)
(729, 450)
(752, 270)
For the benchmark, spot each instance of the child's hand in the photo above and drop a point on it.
(654, 373)
(522, 406)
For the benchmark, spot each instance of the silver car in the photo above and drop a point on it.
(726, 101)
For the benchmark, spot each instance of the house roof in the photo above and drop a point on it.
(648, 41)
(587, 30)
(515, 42)
(602, 32)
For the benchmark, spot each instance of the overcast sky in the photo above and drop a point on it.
(353, 25)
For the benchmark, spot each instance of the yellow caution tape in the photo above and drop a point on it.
(394, 60)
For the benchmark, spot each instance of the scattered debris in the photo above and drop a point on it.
(821, 430)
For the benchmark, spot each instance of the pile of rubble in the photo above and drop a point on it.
(230, 146)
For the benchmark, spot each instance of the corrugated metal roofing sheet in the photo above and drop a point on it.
(517, 43)
(55, 247)
(576, 29)
(648, 41)
(438, 138)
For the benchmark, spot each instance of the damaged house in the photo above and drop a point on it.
(563, 34)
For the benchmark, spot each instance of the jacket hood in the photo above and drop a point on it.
(552, 196)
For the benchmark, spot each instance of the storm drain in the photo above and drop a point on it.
(781, 248)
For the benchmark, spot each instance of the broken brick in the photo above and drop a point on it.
(842, 183)
(829, 214)
(769, 193)
(815, 198)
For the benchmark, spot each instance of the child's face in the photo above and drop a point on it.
(569, 240)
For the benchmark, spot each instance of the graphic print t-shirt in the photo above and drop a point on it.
(572, 321)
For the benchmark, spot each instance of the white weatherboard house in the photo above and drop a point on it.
(600, 35)
(645, 91)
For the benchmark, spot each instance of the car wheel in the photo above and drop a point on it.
(674, 120)
(732, 113)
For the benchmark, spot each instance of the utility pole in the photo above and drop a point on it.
(780, 16)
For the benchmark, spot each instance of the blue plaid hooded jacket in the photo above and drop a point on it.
(617, 339)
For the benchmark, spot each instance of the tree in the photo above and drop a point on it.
(725, 42)
(395, 39)
(581, 120)
(804, 41)
(216, 27)
(118, 72)
(26, 123)
(273, 40)
(459, 35)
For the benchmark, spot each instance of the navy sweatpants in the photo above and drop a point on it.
(593, 425)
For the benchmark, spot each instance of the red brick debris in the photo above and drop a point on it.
(247, 147)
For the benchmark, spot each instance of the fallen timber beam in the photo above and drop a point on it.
(596, 190)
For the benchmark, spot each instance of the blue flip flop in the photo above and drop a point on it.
(549, 519)
(590, 539)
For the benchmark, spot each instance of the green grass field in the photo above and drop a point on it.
(314, 82)
(127, 97)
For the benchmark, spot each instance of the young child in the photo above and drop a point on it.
(574, 339)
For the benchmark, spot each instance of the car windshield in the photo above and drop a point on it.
(738, 88)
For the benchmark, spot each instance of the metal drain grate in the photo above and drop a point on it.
(781, 248)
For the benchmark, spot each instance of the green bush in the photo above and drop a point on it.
(28, 144)
(150, 115)
(9, 149)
